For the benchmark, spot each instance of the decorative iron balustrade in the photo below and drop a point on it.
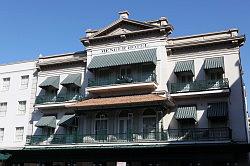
(170, 135)
(145, 77)
(58, 98)
(200, 85)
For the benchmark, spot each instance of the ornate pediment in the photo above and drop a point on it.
(123, 26)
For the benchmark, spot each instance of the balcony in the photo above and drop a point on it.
(166, 136)
(200, 85)
(122, 83)
(58, 98)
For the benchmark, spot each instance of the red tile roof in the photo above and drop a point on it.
(119, 101)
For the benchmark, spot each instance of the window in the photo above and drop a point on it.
(125, 72)
(21, 108)
(6, 83)
(1, 134)
(185, 78)
(104, 77)
(24, 81)
(101, 126)
(214, 76)
(19, 134)
(149, 124)
(3, 109)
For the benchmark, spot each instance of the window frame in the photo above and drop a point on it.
(1, 134)
(19, 111)
(17, 135)
(24, 85)
(5, 85)
(6, 107)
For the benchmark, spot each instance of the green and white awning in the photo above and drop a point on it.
(214, 63)
(74, 79)
(217, 110)
(50, 82)
(68, 121)
(184, 66)
(186, 112)
(47, 121)
(123, 58)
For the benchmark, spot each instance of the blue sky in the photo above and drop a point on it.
(29, 28)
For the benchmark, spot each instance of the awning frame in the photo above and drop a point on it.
(46, 121)
(123, 58)
(50, 82)
(184, 67)
(189, 111)
(217, 110)
(216, 63)
(72, 79)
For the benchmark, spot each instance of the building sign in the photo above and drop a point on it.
(124, 48)
(120, 163)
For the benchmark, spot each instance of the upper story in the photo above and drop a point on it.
(123, 57)
(128, 57)
(204, 64)
(17, 90)
(60, 79)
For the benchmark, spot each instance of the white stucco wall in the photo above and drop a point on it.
(12, 96)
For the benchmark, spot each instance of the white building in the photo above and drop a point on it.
(18, 86)
(138, 96)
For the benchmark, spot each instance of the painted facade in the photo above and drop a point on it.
(136, 87)
(18, 86)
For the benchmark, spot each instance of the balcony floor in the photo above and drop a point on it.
(219, 92)
(122, 87)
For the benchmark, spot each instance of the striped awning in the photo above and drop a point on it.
(184, 66)
(50, 82)
(186, 112)
(67, 121)
(217, 110)
(47, 121)
(123, 58)
(74, 79)
(214, 63)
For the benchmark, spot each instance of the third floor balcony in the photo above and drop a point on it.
(200, 86)
(53, 99)
(126, 72)
(123, 79)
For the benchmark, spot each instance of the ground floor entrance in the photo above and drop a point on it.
(135, 155)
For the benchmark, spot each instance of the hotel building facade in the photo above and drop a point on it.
(137, 96)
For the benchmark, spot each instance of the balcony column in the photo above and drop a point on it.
(159, 125)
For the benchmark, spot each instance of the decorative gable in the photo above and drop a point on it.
(125, 29)
(123, 26)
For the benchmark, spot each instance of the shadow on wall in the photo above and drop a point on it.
(172, 79)
(173, 123)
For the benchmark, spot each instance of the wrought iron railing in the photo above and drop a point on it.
(200, 85)
(122, 80)
(58, 98)
(170, 135)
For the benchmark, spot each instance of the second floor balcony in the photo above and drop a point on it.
(52, 99)
(171, 135)
(199, 85)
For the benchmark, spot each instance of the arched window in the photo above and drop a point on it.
(149, 124)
